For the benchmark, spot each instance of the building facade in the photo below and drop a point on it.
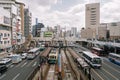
(5, 30)
(102, 31)
(92, 17)
(74, 31)
(114, 28)
(27, 22)
(87, 33)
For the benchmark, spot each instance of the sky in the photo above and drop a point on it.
(70, 13)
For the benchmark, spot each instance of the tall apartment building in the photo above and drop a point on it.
(74, 31)
(57, 31)
(92, 17)
(21, 14)
(5, 30)
(27, 22)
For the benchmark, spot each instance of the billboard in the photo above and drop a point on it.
(48, 34)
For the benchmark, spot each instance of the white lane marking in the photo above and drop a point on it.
(11, 66)
(111, 74)
(16, 76)
(97, 74)
(111, 67)
(34, 64)
(24, 64)
(3, 76)
(104, 75)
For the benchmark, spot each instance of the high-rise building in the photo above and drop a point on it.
(21, 14)
(74, 31)
(27, 22)
(92, 17)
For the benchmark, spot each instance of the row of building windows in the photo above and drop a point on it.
(5, 34)
(4, 42)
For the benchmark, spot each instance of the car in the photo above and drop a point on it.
(3, 68)
(5, 60)
(24, 55)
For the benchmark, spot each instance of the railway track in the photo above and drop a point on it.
(66, 67)
(72, 66)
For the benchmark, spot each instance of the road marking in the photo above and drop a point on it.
(16, 76)
(11, 66)
(97, 74)
(20, 63)
(3, 76)
(34, 64)
(111, 67)
(30, 63)
(24, 64)
(111, 74)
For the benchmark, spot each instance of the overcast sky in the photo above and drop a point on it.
(70, 13)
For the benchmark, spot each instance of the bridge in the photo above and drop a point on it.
(72, 39)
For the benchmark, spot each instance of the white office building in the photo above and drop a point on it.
(5, 30)
(10, 5)
(92, 17)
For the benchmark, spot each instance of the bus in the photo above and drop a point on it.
(33, 53)
(16, 58)
(52, 58)
(115, 58)
(92, 59)
(98, 51)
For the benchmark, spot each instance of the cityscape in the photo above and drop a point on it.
(59, 40)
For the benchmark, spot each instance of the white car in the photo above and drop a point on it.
(5, 60)
(24, 55)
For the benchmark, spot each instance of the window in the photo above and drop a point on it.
(4, 42)
(93, 8)
(1, 34)
(5, 35)
(8, 34)
(1, 42)
(93, 11)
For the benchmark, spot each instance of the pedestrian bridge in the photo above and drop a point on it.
(72, 39)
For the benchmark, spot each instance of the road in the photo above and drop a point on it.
(108, 71)
(21, 70)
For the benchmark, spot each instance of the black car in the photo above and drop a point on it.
(3, 68)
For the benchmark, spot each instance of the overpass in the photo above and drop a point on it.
(72, 39)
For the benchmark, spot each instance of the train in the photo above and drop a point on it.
(53, 57)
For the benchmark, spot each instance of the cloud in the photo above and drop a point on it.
(110, 11)
(74, 16)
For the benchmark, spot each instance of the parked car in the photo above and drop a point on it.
(5, 60)
(3, 68)
(24, 55)
(16, 58)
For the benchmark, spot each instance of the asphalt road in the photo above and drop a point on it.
(108, 71)
(21, 70)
